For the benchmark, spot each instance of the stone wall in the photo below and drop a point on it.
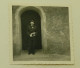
(57, 21)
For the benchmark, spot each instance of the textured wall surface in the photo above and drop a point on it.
(57, 23)
(15, 48)
(57, 29)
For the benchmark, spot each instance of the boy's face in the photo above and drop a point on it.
(32, 23)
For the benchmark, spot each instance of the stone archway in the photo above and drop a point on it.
(17, 38)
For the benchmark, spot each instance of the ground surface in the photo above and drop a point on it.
(40, 56)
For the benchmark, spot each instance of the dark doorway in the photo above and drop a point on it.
(26, 17)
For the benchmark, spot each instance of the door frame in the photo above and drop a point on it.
(18, 37)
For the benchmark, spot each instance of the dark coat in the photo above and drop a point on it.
(31, 40)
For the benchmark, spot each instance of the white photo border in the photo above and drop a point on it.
(40, 62)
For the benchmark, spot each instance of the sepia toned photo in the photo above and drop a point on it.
(40, 35)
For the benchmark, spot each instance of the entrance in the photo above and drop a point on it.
(26, 18)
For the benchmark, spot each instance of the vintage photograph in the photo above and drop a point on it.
(40, 34)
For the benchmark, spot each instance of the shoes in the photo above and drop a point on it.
(29, 53)
(33, 53)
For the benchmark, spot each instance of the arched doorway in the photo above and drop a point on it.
(18, 32)
(26, 18)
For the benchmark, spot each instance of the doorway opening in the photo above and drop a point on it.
(26, 18)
